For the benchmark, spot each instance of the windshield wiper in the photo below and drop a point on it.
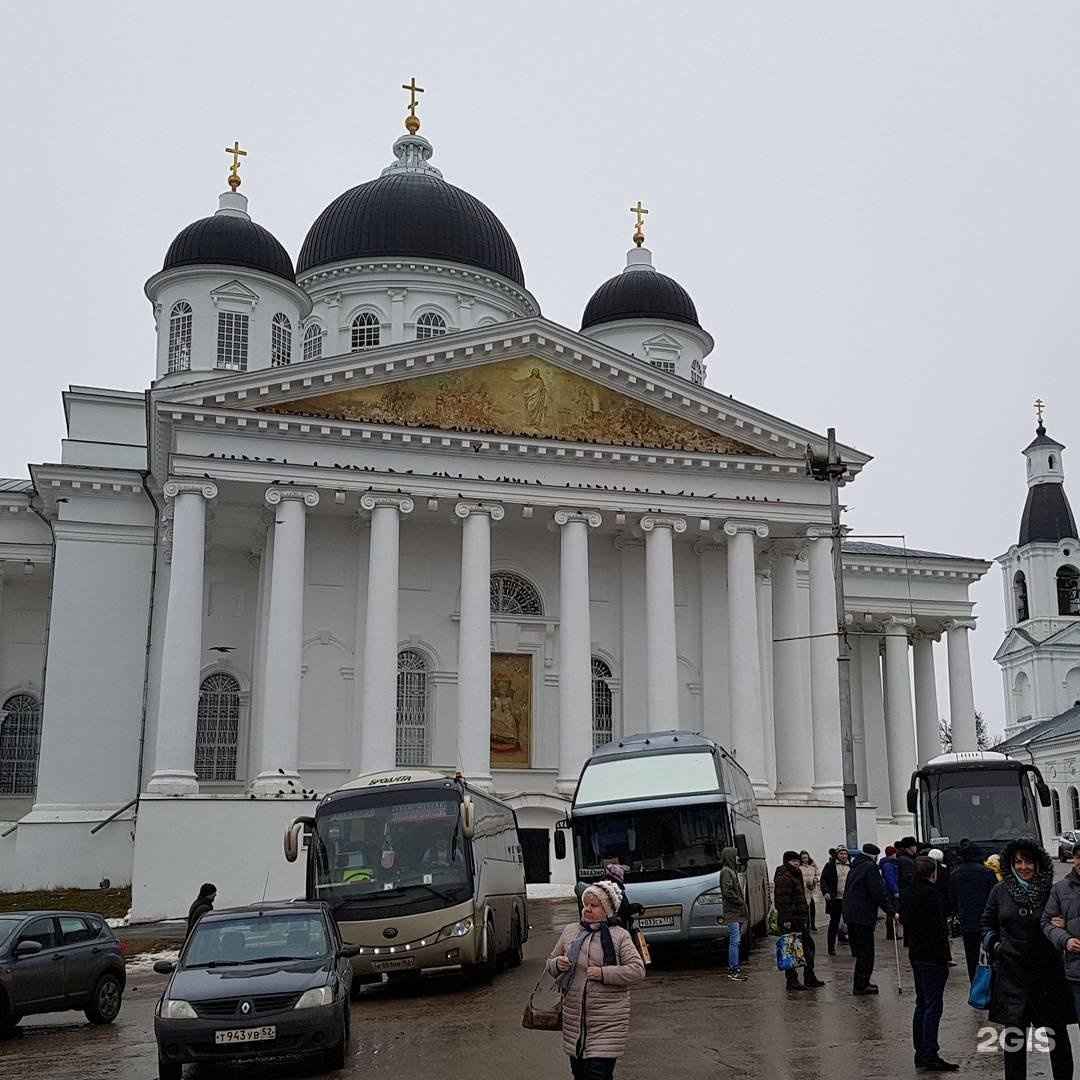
(431, 888)
(273, 959)
(216, 963)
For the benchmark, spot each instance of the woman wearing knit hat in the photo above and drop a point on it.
(595, 964)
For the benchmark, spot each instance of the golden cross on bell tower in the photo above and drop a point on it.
(639, 235)
(237, 154)
(1039, 406)
(412, 121)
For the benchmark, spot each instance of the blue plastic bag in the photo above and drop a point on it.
(982, 985)
(789, 952)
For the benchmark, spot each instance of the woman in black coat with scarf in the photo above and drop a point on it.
(1029, 979)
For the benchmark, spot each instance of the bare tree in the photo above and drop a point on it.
(982, 734)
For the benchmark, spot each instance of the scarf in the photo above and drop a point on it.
(565, 978)
(1033, 893)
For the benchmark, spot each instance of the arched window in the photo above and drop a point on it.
(512, 594)
(430, 325)
(280, 340)
(1055, 801)
(1068, 590)
(180, 336)
(1051, 460)
(20, 739)
(697, 373)
(365, 331)
(217, 730)
(1025, 704)
(1020, 597)
(313, 342)
(1074, 802)
(412, 708)
(601, 703)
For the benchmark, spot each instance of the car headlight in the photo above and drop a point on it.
(713, 897)
(459, 929)
(316, 996)
(174, 1009)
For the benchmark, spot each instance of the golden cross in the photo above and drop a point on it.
(237, 154)
(639, 235)
(412, 123)
(1039, 406)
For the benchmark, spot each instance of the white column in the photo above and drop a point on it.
(747, 714)
(631, 557)
(858, 722)
(712, 604)
(575, 644)
(181, 653)
(474, 639)
(868, 647)
(397, 314)
(763, 590)
(899, 715)
(927, 720)
(378, 710)
(279, 752)
(961, 692)
(824, 676)
(662, 671)
(794, 734)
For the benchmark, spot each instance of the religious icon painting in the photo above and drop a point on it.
(511, 710)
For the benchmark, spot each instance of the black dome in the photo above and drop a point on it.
(640, 294)
(1048, 517)
(412, 216)
(229, 240)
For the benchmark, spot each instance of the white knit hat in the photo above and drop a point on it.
(607, 894)
(936, 854)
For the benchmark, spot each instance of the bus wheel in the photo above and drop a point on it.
(484, 972)
(514, 955)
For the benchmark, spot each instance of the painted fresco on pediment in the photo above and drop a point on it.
(527, 397)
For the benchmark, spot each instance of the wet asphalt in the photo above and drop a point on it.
(689, 1021)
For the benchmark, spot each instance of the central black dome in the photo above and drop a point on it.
(640, 294)
(410, 215)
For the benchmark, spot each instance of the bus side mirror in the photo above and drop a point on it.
(911, 800)
(560, 843)
(468, 818)
(741, 849)
(293, 834)
(1044, 792)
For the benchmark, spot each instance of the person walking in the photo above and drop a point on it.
(1029, 987)
(926, 937)
(203, 903)
(863, 897)
(789, 895)
(833, 882)
(1061, 923)
(811, 879)
(942, 882)
(970, 885)
(735, 911)
(890, 881)
(595, 964)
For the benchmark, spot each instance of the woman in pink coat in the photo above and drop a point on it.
(595, 964)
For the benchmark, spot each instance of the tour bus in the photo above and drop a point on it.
(664, 805)
(423, 872)
(977, 795)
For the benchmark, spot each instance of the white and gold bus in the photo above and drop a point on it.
(423, 872)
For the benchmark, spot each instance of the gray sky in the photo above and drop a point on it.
(873, 205)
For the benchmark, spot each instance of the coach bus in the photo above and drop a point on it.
(423, 872)
(665, 805)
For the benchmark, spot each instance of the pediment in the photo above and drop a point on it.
(234, 290)
(526, 396)
(1068, 636)
(1016, 641)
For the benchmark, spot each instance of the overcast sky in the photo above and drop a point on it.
(873, 205)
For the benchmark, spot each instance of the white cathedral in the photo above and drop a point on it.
(375, 510)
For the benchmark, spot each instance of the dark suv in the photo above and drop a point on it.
(52, 960)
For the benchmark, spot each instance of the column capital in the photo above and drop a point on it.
(662, 521)
(564, 515)
(925, 635)
(764, 575)
(737, 525)
(276, 495)
(820, 532)
(206, 488)
(372, 499)
(462, 510)
(897, 624)
(701, 546)
(959, 624)
(623, 541)
(781, 549)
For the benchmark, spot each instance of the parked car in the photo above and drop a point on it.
(256, 982)
(54, 960)
(1065, 844)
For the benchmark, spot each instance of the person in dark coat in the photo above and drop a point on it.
(970, 885)
(735, 910)
(907, 847)
(793, 914)
(863, 897)
(833, 882)
(1029, 988)
(204, 902)
(890, 880)
(1061, 924)
(926, 937)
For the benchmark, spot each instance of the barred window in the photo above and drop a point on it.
(280, 340)
(313, 342)
(601, 703)
(180, 336)
(365, 331)
(20, 740)
(512, 594)
(667, 366)
(430, 325)
(412, 709)
(232, 340)
(217, 730)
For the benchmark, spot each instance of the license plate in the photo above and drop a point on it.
(394, 965)
(665, 920)
(245, 1035)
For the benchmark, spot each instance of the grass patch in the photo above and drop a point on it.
(112, 903)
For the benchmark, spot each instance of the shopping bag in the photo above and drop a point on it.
(789, 952)
(542, 1017)
(982, 985)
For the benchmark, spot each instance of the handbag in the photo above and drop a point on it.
(789, 952)
(982, 986)
(539, 1019)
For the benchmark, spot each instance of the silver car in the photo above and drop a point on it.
(54, 960)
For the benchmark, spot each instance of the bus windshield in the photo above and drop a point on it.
(977, 804)
(656, 844)
(379, 845)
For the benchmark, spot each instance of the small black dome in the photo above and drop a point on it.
(640, 294)
(229, 240)
(1048, 517)
(409, 215)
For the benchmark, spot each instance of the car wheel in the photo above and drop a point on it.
(485, 972)
(514, 956)
(170, 1070)
(338, 1056)
(106, 1000)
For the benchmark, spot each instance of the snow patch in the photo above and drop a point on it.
(145, 961)
(547, 891)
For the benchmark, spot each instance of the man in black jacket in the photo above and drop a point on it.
(907, 848)
(926, 936)
(862, 898)
(969, 885)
